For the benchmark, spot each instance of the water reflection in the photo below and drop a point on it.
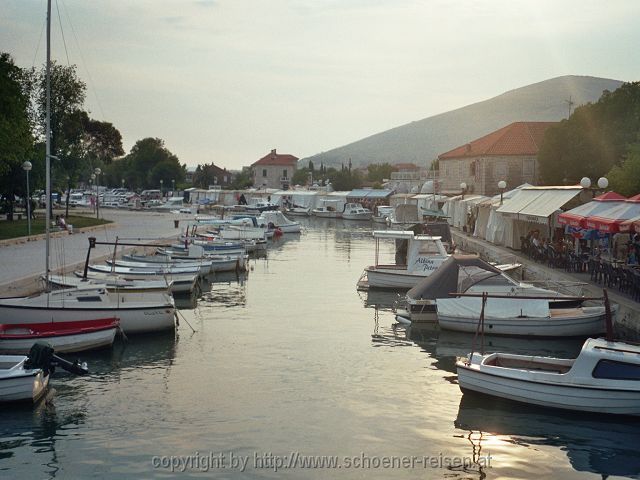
(605, 446)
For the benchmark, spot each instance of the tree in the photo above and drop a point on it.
(379, 173)
(242, 180)
(594, 139)
(16, 141)
(625, 179)
(301, 176)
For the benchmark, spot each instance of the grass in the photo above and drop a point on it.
(20, 228)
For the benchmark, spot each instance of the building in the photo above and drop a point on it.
(189, 173)
(509, 154)
(274, 170)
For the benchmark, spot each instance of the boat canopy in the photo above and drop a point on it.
(456, 274)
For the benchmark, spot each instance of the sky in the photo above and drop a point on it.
(226, 81)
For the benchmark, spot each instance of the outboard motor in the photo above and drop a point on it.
(42, 356)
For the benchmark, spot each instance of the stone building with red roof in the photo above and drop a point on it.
(274, 170)
(509, 154)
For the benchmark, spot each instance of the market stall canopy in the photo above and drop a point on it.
(577, 217)
(370, 193)
(537, 204)
(609, 220)
(631, 225)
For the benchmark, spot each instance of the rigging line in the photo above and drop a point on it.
(44, 23)
(64, 41)
(84, 63)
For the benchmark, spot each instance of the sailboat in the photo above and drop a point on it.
(137, 312)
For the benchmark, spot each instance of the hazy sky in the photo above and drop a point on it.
(228, 80)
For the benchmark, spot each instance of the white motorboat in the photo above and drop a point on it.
(64, 337)
(417, 256)
(203, 267)
(468, 274)
(138, 312)
(604, 378)
(355, 211)
(113, 283)
(20, 382)
(299, 211)
(329, 209)
(261, 206)
(278, 220)
(178, 283)
(384, 214)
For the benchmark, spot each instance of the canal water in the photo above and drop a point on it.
(292, 373)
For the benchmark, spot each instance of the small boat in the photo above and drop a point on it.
(328, 210)
(604, 378)
(417, 256)
(299, 211)
(384, 214)
(355, 211)
(279, 221)
(261, 207)
(180, 283)
(113, 283)
(203, 266)
(158, 271)
(64, 337)
(25, 378)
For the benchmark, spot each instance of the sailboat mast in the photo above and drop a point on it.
(47, 222)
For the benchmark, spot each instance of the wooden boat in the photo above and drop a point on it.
(64, 337)
(299, 211)
(159, 271)
(604, 378)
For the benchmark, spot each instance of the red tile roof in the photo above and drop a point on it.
(274, 158)
(519, 138)
(406, 166)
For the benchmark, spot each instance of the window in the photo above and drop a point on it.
(264, 172)
(615, 370)
(284, 173)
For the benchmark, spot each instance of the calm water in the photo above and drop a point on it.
(292, 361)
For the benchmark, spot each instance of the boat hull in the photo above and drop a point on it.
(20, 385)
(569, 326)
(396, 279)
(566, 397)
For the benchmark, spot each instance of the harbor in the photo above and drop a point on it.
(339, 378)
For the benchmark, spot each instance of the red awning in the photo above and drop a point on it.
(576, 217)
(631, 225)
(609, 221)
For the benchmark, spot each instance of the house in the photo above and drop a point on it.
(509, 154)
(274, 170)
(190, 172)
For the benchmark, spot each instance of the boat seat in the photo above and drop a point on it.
(531, 365)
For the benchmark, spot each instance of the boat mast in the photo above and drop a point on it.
(48, 147)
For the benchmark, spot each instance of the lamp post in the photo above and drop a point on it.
(463, 187)
(26, 166)
(122, 182)
(161, 193)
(602, 183)
(97, 171)
(502, 185)
(173, 186)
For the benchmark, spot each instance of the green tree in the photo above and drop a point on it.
(16, 140)
(345, 180)
(378, 173)
(594, 139)
(148, 162)
(625, 179)
(301, 176)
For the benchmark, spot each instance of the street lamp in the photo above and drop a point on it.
(502, 185)
(585, 182)
(463, 187)
(97, 171)
(173, 186)
(122, 182)
(603, 183)
(161, 194)
(26, 166)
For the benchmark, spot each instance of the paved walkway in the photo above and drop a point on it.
(22, 262)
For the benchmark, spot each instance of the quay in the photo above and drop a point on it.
(23, 261)
(627, 322)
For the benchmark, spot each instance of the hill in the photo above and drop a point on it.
(425, 139)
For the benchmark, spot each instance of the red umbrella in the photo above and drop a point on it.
(609, 221)
(576, 217)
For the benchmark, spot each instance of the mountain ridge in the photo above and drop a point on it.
(421, 141)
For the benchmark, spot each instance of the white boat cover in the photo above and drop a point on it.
(470, 307)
